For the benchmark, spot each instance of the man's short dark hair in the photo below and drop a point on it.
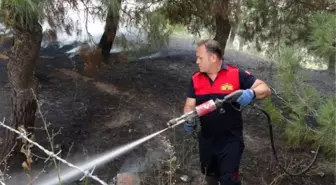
(213, 47)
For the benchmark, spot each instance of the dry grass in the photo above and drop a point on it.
(93, 59)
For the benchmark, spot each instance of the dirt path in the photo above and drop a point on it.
(138, 98)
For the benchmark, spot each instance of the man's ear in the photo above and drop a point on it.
(213, 57)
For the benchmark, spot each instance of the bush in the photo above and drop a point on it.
(307, 114)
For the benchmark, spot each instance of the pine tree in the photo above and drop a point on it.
(322, 37)
(151, 24)
(308, 114)
(22, 17)
(111, 26)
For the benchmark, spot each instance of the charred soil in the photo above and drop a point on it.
(134, 99)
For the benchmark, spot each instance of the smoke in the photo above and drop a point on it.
(159, 150)
(142, 163)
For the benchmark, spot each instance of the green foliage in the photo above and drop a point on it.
(262, 22)
(158, 29)
(258, 15)
(298, 133)
(309, 116)
(323, 33)
(21, 13)
(153, 30)
(309, 113)
(198, 15)
(273, 24)
(112, 6)
(288, 65)
(179, 12)
(327, 121)
(273, 110)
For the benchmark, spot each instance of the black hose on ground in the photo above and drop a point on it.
(274, 150)
(269, 122)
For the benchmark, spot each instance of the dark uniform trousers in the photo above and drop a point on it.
(220, 139)
(220, 159)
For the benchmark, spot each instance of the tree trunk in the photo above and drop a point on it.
(21, 68)
(241, 43)
(223, 28)
(232, 34)
(107, 39)
(258, 45)
(236, 21)
(331, 64)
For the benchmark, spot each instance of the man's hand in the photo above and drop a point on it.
(246, 97)
(189, 106)
(259, 90)
(189, 126)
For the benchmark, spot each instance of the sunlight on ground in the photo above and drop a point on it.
(103, 87)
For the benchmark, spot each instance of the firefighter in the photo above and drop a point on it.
(220, 137)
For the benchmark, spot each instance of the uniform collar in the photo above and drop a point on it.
(223, 67)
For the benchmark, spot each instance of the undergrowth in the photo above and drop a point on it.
(182, 155)
(307, 113)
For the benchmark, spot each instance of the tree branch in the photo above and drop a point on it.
(2, 179)
(86, 173)
(288, 105)
(310, 6)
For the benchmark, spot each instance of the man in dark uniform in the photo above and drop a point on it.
(221, 135)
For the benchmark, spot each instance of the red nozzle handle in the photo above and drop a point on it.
(206, 107)
(210, 105)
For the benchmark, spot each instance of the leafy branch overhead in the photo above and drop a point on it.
(323, 34)
(200, 14)
(289, 19)
(21, 13)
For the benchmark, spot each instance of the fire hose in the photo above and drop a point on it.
(213, 105)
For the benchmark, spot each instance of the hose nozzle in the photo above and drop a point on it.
(185, 117)
(172, 122)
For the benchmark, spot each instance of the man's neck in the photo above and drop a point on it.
(213, 72)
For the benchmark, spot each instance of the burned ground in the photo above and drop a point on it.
(137, 98)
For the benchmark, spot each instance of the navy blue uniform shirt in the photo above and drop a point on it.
(202, 88)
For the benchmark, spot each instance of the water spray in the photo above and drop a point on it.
(73, 174)
(200, 110)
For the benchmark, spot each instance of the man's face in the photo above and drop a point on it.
(205, 60)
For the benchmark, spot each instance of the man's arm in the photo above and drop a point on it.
(261, 89)
(248, 81)
(190, 103)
